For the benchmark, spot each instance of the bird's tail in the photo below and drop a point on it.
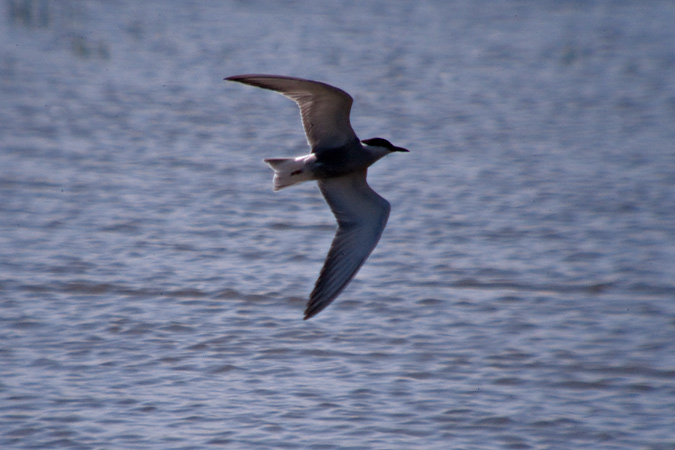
(288, 171)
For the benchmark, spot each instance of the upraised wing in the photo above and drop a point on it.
(361, 215)
(324, 109)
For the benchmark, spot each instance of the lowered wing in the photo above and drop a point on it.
(361, 215)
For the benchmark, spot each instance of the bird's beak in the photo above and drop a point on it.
(400, 149)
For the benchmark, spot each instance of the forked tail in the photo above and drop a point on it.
(288, 171)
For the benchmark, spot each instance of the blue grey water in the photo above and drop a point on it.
(152, 284)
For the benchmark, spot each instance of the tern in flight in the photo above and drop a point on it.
(339, 162)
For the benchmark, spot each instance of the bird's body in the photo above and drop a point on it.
(338, 162)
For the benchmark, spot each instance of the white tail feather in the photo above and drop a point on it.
(289, 171)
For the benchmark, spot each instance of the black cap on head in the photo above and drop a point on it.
(379, 142)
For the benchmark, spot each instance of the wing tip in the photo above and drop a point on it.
(237, 78)
(313, 308)
(318, 303)
(243, 77)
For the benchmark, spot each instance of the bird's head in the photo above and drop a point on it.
(383, 143)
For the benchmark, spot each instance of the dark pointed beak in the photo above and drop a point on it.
(400, 149)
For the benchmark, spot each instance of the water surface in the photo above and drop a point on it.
(152, 284)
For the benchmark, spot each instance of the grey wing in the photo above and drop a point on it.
(361, 215)
(324, 109)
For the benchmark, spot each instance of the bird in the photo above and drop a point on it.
(339, 162)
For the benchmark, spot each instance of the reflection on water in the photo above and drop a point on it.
(66, 20)
(29, 13)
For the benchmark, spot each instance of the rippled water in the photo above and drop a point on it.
(152, 284)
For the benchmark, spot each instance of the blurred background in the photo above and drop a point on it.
(152, 284)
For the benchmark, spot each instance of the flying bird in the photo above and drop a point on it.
(339, 162)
